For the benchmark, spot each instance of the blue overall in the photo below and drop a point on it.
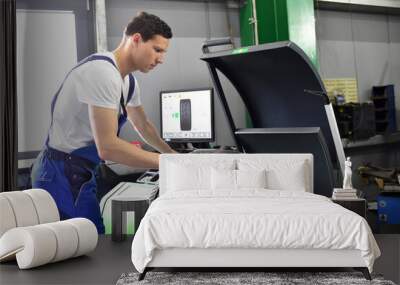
(70, 178)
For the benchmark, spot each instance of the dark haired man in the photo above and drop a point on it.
(96, 98)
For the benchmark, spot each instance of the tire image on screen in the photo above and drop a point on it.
(185, 115)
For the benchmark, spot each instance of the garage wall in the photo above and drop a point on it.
(364, 46)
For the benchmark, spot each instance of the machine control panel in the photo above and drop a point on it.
(149, 177)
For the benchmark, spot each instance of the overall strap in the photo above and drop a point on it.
(131, 91)
(53, 102)
(124, 116)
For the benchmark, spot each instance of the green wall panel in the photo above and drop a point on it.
(281, 20)
(272, 21)
(301, 26)
(246, 28)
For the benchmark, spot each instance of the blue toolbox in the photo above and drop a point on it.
(388, 209)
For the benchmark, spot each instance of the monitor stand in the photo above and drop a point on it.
(188, 147)
(201, 145)
(177, 146)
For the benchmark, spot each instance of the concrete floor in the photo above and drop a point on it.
(102, 266)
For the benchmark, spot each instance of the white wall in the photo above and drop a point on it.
(46, 50)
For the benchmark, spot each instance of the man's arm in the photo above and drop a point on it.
(146, 129)
(104, 122)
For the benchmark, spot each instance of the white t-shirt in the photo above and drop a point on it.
(96, 83)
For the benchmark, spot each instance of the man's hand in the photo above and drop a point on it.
(146, 129)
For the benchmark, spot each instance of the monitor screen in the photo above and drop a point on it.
(187, 115)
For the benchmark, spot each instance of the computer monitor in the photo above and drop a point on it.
(187, 115)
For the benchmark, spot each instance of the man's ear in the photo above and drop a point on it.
(136, 38)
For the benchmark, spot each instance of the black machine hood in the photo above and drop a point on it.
(278, 84)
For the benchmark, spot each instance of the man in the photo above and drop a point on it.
(87, 112)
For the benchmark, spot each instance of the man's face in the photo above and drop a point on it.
(150, 53)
